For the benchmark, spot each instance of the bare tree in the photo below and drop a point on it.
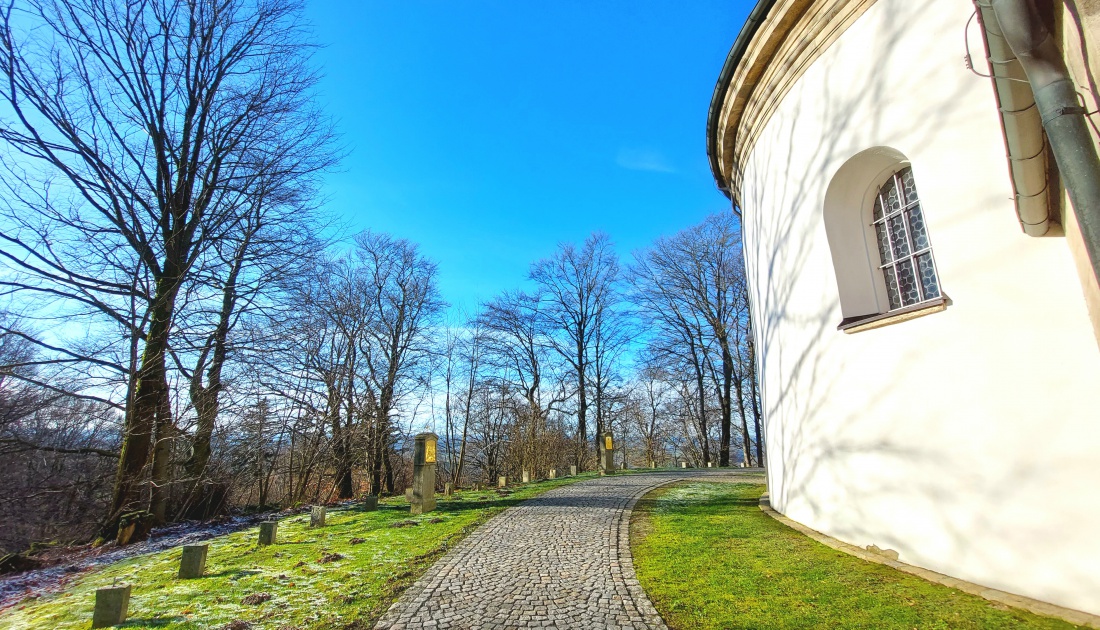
(579, 284)
(693, 284)
(140, 127)
(518, 347)
(404, 303)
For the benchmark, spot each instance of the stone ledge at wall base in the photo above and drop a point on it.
(111, 605)
(369, 503)
(886, 557)
(269, 531)
(193, 561)
(317, 516)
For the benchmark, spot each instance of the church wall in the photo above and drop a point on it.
(966, 440)
(1078, 22)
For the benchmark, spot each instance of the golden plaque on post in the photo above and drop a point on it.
(429, 451)
(607, 443)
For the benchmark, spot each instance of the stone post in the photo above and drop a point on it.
(268, 532)
(710, 464)
(448, 488)
(502, 481)
(193, 561)
(526, 476)
(683, 464)
(317, 516)
(111, 605)
(423, 490)
(553, 473)
(370, 503)
(573, 471)
(608, 460)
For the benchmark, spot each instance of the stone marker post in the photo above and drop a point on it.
(448, 489)
(370, 503)
(423, 489)
(268, 532)
(608, 461)
(193, 561)
(317, 516)
(110, 606)
(573, 471)
(553, 473)
(710, 464)
(502, 481)
(526, 476)
(683, 464)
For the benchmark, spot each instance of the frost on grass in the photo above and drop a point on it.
(687, 494)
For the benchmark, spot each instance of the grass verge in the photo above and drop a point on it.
(709, 558)
(344, 575)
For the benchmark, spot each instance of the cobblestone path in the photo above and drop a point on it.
(561, 560)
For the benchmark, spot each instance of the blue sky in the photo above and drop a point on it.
(490, 131)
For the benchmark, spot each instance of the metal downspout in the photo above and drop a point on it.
(1025, 141)
(1061, 112)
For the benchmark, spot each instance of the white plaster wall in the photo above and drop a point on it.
(968, 440)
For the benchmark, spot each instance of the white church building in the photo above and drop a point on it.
(917, 234)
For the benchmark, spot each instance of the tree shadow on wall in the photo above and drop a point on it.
(797, 336)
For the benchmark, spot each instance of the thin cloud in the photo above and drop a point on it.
(643, 160)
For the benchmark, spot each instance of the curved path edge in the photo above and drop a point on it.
(556, 577)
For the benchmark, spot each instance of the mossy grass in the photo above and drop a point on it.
(709, 558)
(344, 575)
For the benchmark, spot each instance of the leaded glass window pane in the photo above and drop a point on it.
(892, 288)
(898, 237)
(928, 280)
(907, 282)
(917, 229)
(893, 204)
(883, 242)
(904, 247)
(908, 186)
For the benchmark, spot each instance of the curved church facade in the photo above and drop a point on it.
(924, 302)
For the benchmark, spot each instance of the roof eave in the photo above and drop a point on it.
(733, 59)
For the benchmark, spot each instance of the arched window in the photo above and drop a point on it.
(905, 251)
(878, 238)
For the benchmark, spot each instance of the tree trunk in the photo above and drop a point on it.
(727, 411)
(150, 398)
(160, 487)
(754, 392)
(205, 400)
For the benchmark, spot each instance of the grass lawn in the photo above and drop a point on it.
(709, 558)
(309, 586)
